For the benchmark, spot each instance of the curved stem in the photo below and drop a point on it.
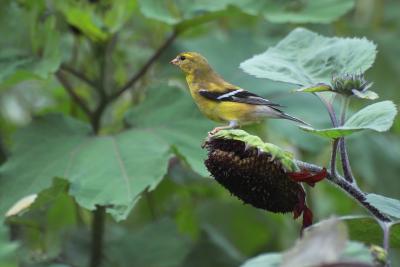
(330, 109)
(353, 191)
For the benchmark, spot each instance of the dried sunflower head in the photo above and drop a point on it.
(258, 173)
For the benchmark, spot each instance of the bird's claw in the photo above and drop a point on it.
(215, 130)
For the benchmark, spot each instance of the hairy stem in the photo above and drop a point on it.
(333, 156)
(344, 156)
(353, 191)
(98, 223)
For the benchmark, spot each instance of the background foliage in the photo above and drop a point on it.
(90, 124)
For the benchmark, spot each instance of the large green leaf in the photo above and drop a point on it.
(322, 11)
(378, 117)
(31, 49)
(174, 12)
(307, 58)
(106, 170)
(387, 205)
(170, 115)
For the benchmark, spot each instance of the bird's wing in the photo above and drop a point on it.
(237, 95)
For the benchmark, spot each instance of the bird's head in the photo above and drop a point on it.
(191, 62)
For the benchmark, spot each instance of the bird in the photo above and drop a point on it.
(222, 101)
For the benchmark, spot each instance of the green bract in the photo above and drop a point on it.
(285, 157)
(346, 84)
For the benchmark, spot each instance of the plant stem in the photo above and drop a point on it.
(98, 223)
(74, 96)
(344, 156)
(333, 156)
(330, 109)
(78, 75)
(3, 154)
(147, 65)
(349, 188)
(386, 235)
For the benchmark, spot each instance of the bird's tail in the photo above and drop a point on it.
(288, 117)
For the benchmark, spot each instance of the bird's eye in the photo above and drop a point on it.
(182, 57)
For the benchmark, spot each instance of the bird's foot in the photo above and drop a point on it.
(232, 125)
(216, 130)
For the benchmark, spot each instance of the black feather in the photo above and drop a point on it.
(237, 95)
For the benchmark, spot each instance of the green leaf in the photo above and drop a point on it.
(387, 205)
(158, 245)
(378, 117)
(323, 11)
(306, 58)
(31, 49)
(170, 115)
(104, 170)
(82, 15)
(174, 12)
(367, 230)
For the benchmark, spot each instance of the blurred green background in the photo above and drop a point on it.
(172, 215)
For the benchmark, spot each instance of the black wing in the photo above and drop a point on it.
(237, 95)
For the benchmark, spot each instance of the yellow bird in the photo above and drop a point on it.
(221, 101)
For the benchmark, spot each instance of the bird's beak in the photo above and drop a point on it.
(174, 61)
